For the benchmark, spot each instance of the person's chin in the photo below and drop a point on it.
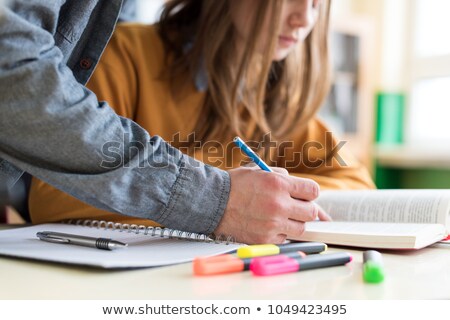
(281, 54)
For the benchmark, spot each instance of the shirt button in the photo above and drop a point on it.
(85, 63)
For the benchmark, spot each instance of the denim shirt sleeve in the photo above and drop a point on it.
(54, 128)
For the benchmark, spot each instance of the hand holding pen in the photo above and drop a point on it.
(280, 203)
(322, 215)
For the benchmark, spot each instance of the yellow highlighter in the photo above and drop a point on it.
(260, 250)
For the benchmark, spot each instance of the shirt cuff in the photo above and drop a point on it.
(198, 198)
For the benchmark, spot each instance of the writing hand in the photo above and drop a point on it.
(265, 207)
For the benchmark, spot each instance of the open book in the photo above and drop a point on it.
(391, 219)
(147, 247)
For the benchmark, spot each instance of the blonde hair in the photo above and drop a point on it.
(255, 95)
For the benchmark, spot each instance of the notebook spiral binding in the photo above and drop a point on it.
(153, 231)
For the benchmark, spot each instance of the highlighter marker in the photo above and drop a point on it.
(272, 249)
(267, 266)
(228, 263)
(373, 271)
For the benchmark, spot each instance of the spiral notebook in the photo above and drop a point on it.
(147, 246)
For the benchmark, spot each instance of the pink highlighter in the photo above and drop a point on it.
(228, 263)
(279, 264)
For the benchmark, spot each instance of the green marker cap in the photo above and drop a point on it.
(373, 271)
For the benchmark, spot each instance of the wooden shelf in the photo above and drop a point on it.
(349, 109)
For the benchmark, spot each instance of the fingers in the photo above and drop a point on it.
(266, 207)
(251, 165)
(323, 216)
(282, 171)
(294, 229)
(300, 210)
(299, 188)
(304, 189)
(278, 239)
(292, 197)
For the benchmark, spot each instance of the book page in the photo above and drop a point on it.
(373, 235)
(412, 206)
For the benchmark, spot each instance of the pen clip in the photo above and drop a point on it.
(51, 238)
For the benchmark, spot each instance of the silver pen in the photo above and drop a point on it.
(65, 238)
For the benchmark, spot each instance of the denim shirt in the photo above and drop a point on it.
(54, 128)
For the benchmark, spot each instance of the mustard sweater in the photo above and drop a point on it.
(129, 78)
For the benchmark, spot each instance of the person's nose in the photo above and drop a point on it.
(302, 14)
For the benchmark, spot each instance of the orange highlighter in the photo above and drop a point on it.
(228, 263)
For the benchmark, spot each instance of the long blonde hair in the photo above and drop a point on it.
(255, 95)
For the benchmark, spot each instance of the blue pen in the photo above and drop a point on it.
(249, 152)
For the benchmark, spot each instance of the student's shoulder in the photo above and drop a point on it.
(137, 35)
(134, 48)
(315, 130)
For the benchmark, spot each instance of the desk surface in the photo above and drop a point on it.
(423, 274)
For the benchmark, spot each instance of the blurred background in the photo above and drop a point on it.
(390, 97)
(391, 88)
(397, 95)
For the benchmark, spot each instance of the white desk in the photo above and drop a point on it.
(423, 274)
